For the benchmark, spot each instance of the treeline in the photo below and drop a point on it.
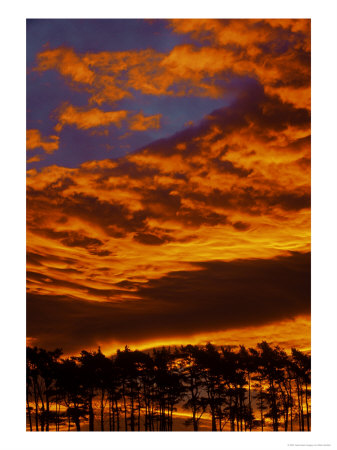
(242, 390)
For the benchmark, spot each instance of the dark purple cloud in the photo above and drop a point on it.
(218, 296)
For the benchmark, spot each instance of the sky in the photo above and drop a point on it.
(168, 182)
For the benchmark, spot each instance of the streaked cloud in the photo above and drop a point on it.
(216, 296)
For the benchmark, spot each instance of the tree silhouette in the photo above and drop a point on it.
(71, 384)
(41, 368)
(191, 370)
(302, 370)
(240, 389)
(28, 390)
(272, 371)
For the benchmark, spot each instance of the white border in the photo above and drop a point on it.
(324, 223)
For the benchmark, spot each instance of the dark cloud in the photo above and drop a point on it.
(160, 201)
(37, 259)
(34, 259)
(277, 115)
(218, 296)
(107, 215)
(253, 201)
(290, 201)
(194, 218)
(123, 167)
(241, 226)
(228, 167)
(300, 143)
(150, 239)
(100, 252)
(71, 239)
(304, 163)
(68, 270)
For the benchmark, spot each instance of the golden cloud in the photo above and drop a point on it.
(67, 63)
(235, 186)
(84, 118)
(35, 140)
(139, 122)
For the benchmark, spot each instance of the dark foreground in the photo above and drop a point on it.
(191, 388)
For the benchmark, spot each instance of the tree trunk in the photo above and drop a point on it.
(91, 415)
(213, 420)
(291, 406)
(113, 416)
(42, 407)
(124, 400)
(36, 407)
(261, 406)
(110, 414)
(249, 404)
(231, 412)
(240, 398)
(47, 412)
(170, 420)
(139, 408)
(299, 406)
(274, 405)
(77, 422)
(307, 406)
(57, 426)
(28, 411)
(102, 410)
(132, 418)
(117, 414)
(195, 423)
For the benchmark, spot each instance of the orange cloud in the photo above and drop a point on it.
(235, 186)
(35, 158)
(67, 63)
(84, 118)
(139, 122)
(276, 51)
(247, 32)
(35, 140)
